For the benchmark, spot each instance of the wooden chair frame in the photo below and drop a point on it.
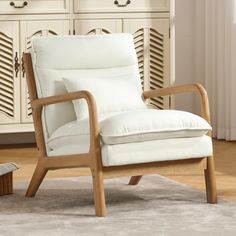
(92, 159)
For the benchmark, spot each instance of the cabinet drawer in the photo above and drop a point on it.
(122, 6)
(33, 6)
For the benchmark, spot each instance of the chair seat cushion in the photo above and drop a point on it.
(156, 150)
(151, 124)
(145, 152)
(133, 126)
(74, 133)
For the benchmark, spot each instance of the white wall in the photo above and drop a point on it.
(186, 21)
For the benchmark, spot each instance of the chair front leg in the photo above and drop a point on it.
(210, 181)
(36, 180)
(99, 194)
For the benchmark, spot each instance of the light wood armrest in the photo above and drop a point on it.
(197, 88)
(39, 103)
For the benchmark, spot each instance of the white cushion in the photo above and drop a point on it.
(151, 124)
(52, 84)
(156, 150)
(144, 152)
(135, 126)
(113, 94)
(97, 56)
(74, 133)
(84, 52)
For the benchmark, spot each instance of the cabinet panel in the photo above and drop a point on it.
(98, 26)
(151, 37)
(30, 30)
(33, 6)
(121, 6)
(9, 74)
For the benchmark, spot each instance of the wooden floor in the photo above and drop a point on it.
(225, 161)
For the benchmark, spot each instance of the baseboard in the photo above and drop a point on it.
(17, 138)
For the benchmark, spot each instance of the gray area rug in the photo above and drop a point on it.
(157, 206)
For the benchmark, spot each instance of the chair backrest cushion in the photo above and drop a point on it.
(100, 56)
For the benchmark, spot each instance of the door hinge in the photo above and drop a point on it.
(169, 33)
(73, 32)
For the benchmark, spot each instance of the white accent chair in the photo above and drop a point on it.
(108, 127)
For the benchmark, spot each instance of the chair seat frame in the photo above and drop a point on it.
(93, 159)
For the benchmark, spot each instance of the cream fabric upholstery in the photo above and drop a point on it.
(144, 152)
(74, 133)
(156, 150)
(130, 132)
(84, 52)
(151, 124)
(101, 56)
(133, 126)
(112, 94)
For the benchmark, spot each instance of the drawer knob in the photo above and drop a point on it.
(116, 2)
(22, 6)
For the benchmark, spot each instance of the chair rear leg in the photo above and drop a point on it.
(210, 181)
(36, 180)
(134, 180)
(99, 194)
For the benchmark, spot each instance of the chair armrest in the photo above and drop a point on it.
(39, 103)
(197, 88)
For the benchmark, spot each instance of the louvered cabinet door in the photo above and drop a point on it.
(90, 27)
(30, 30)
(9, 73)
(151, 38)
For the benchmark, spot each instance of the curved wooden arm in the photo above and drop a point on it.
(197, 88)
(39, 103)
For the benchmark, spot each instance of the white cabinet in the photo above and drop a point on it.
(98, 26)
(151, 38)
(81, 6)
(30, 30)
(9, 73)
(33, 6)
(21, 20)
(15, 38)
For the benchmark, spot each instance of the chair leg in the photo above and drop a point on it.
(134, 180)
(99, 194)
(210, 181)
(36, 180)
